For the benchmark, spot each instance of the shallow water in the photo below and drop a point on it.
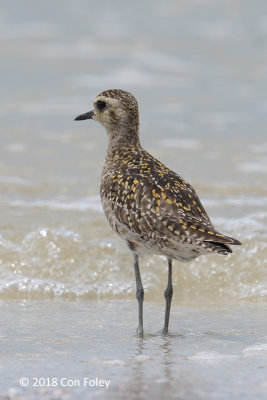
(214, 353)
(198, 69)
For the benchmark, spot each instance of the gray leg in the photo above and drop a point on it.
(168, 296)
(139, 295)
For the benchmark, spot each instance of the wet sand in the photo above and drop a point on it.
(211, 352)
(67, 289)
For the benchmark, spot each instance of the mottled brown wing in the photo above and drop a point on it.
(148, 208)
(148, 197)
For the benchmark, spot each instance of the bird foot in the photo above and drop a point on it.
(164, 332)
(140, 333)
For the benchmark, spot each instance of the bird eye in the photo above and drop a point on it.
(100, 105)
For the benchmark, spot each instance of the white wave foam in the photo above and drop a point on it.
(247, 225)
(237, 201)
(256, 349)
(83, 204)
(211, 356)
(114, 362)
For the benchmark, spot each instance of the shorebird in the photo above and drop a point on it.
(151, 207)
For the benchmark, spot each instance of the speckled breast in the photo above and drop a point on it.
(132, 210)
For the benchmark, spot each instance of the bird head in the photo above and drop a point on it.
(116, 110)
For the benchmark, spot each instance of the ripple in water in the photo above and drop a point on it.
(58, 262)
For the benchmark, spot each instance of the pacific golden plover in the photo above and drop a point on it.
(151, 207)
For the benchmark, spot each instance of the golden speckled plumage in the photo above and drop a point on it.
(148, 205)
(155, 208)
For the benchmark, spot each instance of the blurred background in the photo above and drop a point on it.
(199, 71)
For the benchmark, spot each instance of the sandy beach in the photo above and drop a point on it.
(68, 312)
(88, 349)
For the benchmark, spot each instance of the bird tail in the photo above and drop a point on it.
(221, 244)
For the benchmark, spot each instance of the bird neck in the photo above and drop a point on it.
(122, 139)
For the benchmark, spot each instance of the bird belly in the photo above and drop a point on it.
(151, 242)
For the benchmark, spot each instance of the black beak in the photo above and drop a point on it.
(88, 115)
